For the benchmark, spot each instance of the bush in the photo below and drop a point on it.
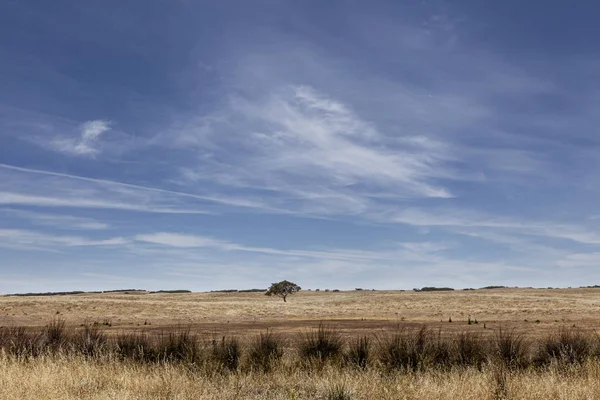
(511, 349)
(321, 345)
(407, 350)
(20, 342)
(568, 346)
(226, 354)
(359, 352)
(470, 350)
(265, 352)
(442, 353)
(56, 335)
(90, 341)
(179, 347)
(136, 347)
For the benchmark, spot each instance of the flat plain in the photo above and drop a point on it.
(530, 311)
(573, 372)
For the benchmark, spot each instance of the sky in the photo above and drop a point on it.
(209, 145)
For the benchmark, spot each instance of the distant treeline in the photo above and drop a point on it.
(446, 289)
(73, 292)
(172, 291)
(48, 293)
(434, 289)
(238, 291)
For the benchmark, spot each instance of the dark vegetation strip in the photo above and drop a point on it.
(400, 349)
(75, 292)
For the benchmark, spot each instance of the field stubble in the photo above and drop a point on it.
(531, 311)
(530, 314)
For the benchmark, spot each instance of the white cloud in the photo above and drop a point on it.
(31, 187)
(312, 154)
(106, 201)
(57, 221)
(87, 143)
(178, 240)
(317, 136)
(460, 220)
(24, 239)
(580, 260)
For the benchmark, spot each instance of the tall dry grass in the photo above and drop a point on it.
(61, 362)
(78, 378)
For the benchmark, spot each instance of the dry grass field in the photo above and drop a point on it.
(240, 313)
(571, 372)
(81, 380)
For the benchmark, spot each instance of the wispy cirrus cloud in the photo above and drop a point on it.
(57, 221)
(32, 187)
(186, 241)
(313, 134)
(591, 259)
(463, 221)
(87, 143)
(26, 239)
(423, 148)
(312, 154)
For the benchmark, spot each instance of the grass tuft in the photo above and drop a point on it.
(511, 349)
(471, 351)
(358, 353)
(338, 392)
(265, 353)
(178, 347)
(321, 345)
(226, 354)
(90, 342)
(135, 346)
(21, 343)
(567, 346)
(56, 335)
(407, 350)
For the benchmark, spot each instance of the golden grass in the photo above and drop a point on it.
(75, 378)
(246, 314)
(238, 313)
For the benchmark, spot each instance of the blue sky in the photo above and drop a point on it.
(341, 144)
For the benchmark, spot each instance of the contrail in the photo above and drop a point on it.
(240, 203)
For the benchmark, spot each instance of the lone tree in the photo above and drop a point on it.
(283, 289)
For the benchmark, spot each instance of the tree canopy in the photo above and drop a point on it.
(283, 289)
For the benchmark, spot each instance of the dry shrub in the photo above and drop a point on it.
(338, 392)
(56, 335)
(567, 346)
(470, 350)
(21, 343)
(511, 349)
(179, 347)
(407, 350)
(226, 354)
(358, 353)
(265, 353)
(90, 342)
(321, 345)
(136, 347)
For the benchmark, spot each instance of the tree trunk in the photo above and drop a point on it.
(284, 300)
